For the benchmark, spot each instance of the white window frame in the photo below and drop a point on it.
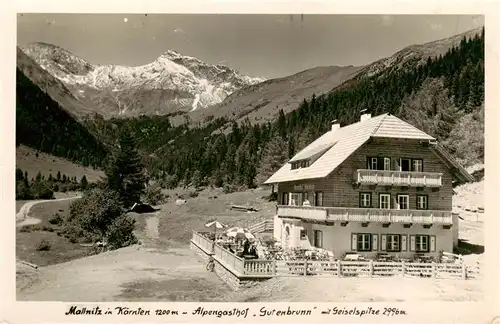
(407, 202)
(393, 243)
(422, 243)
(365, 241)
(387, 163)
(422, 202)
(303, 235)
(420, 165)
(363, 199)
(388, 201)
(295, 197)
(372, 161)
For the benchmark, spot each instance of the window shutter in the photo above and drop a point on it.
(374, 242)
(403, 242)
(433, 243)
(397, 164)
(412, 243)
(383, 242)
(368, 163)
(354, 241)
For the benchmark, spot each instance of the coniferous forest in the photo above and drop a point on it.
(444, 96)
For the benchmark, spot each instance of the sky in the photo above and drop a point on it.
(257, 45)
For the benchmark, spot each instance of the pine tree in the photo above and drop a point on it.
(273, 158)
(83, 183)
(126, 172)
(58, 177)
(38, 177)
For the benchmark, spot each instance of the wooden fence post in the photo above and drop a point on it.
(371, 268)
(464, 271)
(275, 270)
(434, 271)
(403, 268)
(305, 268)
(339, 269)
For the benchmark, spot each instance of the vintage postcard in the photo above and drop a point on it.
(222, 161)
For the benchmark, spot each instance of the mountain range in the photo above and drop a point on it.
(173, 83)
(180, 86)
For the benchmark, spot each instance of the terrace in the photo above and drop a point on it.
(274, 261)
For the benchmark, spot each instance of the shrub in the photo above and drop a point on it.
(120, 232)
(193, 194)
(56, 219)
(272, 197)
(43, 245)
(93, 213)
(153, 195)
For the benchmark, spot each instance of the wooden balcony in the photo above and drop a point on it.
(406, 216)
(398, 178)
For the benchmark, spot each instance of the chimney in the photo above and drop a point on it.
(335, 125)
(364, 115)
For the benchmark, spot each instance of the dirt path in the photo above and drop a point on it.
(130, 274)
(152, 224)
(22, 217)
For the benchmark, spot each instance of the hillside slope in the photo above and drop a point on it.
(31, 161)
(262, 102)
(173, 83)
(51, 86)
(44, 125)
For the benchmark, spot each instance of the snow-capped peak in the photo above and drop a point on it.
(186, 82)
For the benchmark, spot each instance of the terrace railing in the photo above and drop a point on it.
(317, 213)
(271, 268)
(203, 242)
(399, 178)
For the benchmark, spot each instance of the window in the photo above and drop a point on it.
(304, 164)
(365, 199)
(405, 164)
(319, 199)
(364, 242)
(387, 163)
(318, 238)
(295, 199)
(421, 202)
(378, 163)
(303, 234)
(422, 243)
(385, 201)
(372, 163)
(417, 165)
(393, 243)
(403, 202)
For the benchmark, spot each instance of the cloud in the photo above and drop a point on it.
(387, 20)
(178, 31)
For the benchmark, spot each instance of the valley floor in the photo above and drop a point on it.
(167, 270)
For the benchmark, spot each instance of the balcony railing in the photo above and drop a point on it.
(399, 178)
(367, 214)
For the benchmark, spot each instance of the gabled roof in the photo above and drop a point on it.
(345, 141)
